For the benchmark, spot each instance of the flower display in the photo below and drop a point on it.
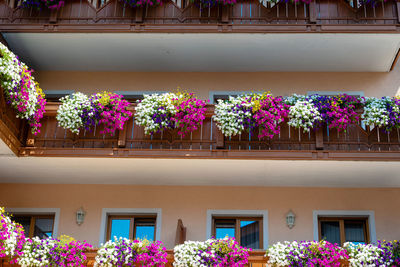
(382, 113)
(140, 3)
(78, 111)
(303, 114)
(39, 4)
(248, 112)
(65, 251)
(159, 112)
(70, 114)
(213, 252)
(12, 237)
(22, 91)
(306, 253)
(125, 252)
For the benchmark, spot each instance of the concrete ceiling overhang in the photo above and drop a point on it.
(199, 172)
(206, 52)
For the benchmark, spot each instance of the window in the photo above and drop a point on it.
(246, 230)
(131, 227)
(224, 95)
(55, 95)
(41, 226)
(133, 96)
(343, 229)
(333, 93)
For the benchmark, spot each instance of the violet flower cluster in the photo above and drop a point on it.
(141, 3)
(125, 252)
(306, 253)
(22, 91)
(39, 4)
(181, 111)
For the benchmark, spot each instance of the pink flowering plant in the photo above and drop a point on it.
(306, 253)
(12, 237)
(21, 90)
(125, 252)
(160, 112)
(53, 252)
(250, 112)
(213, 252)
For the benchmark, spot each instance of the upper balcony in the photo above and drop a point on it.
(246, 16)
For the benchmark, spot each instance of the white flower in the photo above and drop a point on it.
(69, 113)
(303, 114)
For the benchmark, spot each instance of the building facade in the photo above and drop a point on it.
(299, 186)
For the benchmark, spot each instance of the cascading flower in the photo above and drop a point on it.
(213, 252)
(12, 238)
(52, 252)
(249, 112)
(303, 114)
(306, 253)
(159, 112)
(366, 255)
(125, 252)
(21, 90)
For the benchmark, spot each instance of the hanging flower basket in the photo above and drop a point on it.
(40, 4)
(142, 3)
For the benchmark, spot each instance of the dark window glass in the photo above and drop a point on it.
(225, 228)
(250, 234)
(330, 231)
(354, 231)
(120, 228)
(42, 225)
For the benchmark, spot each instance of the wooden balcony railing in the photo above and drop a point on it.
(357, 143)
(256, 259)
(185, 16)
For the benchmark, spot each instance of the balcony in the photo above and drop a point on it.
(181, 16)
(357, 143)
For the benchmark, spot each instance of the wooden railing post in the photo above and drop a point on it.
(319, 139)
(313, 11)
(53, 16)
(220, 144)
(225, 14)
(30, 140)
(122, 137)
(398, 10)
(139, 14)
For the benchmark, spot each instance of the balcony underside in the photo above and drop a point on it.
(172, 16)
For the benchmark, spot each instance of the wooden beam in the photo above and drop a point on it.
(319, 139)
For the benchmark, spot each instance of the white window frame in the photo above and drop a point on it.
(128, 93)
(239, 213)
(346, 213)
(58, 92)
(39, 211)
(355, 93)
(116, 211)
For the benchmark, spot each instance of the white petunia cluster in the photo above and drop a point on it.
(364, 255)
(230, 117)
(36, 252)
(189, 255)
(10, 243)
(304, 114)
(69, 113)
(154, 104)
(375, 112)
(278, 253)
(11, 69)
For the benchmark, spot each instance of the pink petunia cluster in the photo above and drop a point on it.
(228, 253)
(189, 114)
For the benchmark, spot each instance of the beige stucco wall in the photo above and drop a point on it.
(191, 204)
(279, 83)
